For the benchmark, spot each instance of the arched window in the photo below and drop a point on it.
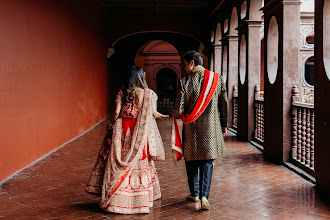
(309, 71)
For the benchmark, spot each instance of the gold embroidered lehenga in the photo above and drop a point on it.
(130, 181)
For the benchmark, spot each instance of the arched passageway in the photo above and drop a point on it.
(156, 55)
(127, 53)
(68, 83)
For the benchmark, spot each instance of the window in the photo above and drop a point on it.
(309, 71)
(310, 39)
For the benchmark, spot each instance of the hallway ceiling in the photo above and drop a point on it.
(161, 7)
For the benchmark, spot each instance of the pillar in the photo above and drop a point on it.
(322, 95)
(217, 58)
(282, 19)
(249, 69)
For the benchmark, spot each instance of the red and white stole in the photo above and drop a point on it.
(208, 88)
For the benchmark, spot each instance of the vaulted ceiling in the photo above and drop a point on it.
(161, 7)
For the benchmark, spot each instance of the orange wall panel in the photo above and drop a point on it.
(53, 77)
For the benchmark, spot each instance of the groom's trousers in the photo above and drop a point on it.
(199, 173)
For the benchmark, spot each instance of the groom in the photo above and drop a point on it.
(202, 104)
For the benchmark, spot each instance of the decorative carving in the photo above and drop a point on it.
(308, 96)
(306, 30)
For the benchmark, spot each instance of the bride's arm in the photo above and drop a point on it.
(116, 113)
(158, 115)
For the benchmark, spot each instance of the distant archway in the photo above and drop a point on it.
(155, 55)
(166, 89)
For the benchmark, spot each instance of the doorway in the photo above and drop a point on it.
(166, 89)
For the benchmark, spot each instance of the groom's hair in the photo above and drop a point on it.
(193, 55)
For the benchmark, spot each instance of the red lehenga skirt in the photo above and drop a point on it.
(138, 191)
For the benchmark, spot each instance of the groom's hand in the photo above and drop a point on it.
(224, 130)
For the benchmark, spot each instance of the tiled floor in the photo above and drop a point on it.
(243, 187)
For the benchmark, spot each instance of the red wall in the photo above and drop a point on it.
(53, 80)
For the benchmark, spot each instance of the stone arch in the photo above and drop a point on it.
(218, 34)
(155, 55)
(169, 66)
(225, 26)
(233, 22)
(162, 33)
(243, 10)
(212, 36)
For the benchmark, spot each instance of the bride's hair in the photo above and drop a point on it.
(136, 78)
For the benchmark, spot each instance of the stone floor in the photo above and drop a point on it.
(244, 186)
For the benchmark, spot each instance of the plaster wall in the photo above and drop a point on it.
(53, 79)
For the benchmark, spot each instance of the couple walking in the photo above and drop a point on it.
(125, 174)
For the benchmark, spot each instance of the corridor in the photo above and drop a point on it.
(244, 187)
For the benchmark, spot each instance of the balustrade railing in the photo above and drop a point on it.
(302, 146)
(259, 115)
(235, 106)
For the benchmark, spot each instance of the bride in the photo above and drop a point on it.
(126, 160)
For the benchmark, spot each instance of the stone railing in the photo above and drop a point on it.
(235, 106)
(259, 115)
(302, 145)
